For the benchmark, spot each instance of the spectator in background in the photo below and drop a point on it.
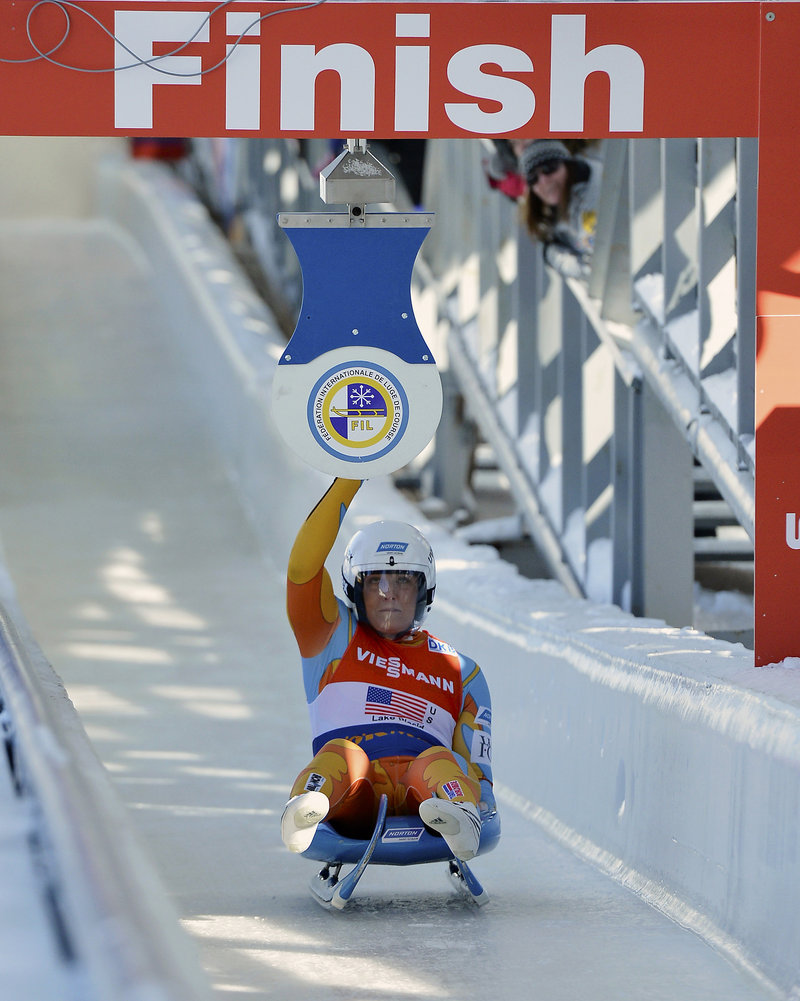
(159, 148)
(560, 205)
(502, 168)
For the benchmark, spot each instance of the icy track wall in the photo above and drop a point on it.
(660, 755)
(118, 936)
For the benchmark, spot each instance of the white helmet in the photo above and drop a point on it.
(389, 546)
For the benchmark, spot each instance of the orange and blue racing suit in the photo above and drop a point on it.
(409, 717)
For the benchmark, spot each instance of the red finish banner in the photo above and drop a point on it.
(378, 69)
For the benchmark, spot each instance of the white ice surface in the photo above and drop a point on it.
(142, 581)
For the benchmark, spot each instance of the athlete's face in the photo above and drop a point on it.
(390, 601)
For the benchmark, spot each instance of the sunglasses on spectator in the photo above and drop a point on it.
(549, 167)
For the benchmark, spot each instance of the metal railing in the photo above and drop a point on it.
(598, 398)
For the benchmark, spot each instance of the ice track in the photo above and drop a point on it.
(144, 583)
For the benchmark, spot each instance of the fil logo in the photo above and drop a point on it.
(792, 536)
(407, 93)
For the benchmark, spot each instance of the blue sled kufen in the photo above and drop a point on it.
(395, 841)
(356, 392)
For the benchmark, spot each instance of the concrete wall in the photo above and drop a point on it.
(659, 754)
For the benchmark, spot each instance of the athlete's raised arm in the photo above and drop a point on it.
(310, 600)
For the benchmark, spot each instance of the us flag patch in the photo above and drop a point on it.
(388, 702)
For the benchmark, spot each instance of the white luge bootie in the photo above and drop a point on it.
(458, 823)
(300, 818)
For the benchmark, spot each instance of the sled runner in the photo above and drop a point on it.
(395, 841)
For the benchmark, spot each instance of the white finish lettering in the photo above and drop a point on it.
(496, 100)
(516, 99)
(300, 67)
(137, 30)
(571, 64)
(412, 75)
(243, 71)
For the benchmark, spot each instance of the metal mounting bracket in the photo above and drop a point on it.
(356, 178)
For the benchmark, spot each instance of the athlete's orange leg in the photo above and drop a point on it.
(341, 770)
(437, 772)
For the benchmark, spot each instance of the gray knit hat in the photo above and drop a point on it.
(539, 152)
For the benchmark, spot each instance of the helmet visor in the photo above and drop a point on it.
(386, 582)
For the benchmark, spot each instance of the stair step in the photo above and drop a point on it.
(709, 513)
(717, 549)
